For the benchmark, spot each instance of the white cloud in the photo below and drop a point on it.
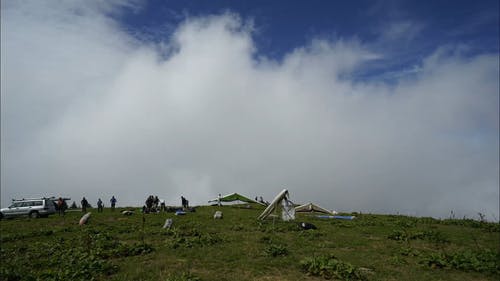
(405, 30)
(88, 111)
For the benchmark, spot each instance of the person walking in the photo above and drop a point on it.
(100, 206)
(85, 203)
(113, 203)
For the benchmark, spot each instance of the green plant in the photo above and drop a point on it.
(330, 267)
(238, 227)
(431, 235)
(191, 238)
(185, 276)
(275, 250)
(397, 260)
(480, 261)
(398, 235)
(408, 251)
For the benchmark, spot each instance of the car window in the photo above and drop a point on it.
(16, 205)
(37, 203)
(25, 204)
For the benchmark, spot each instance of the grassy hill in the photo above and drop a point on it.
(239, 247)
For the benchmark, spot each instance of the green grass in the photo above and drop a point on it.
(239, 247)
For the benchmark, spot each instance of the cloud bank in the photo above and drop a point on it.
(87, 110)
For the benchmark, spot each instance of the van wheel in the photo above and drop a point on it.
(34, 215)
(1, 216)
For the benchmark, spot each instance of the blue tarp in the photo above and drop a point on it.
(337, 217)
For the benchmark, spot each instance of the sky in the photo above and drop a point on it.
(368, 106)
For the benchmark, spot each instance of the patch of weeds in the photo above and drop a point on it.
(397, 260)
(78, 265)
(12, 273)
(191, 232)
(54, 261)
(135, 249)
(14, 237)
(171, 232)
(428, 235)
(237, 227)
(432, 236)
(370, 223)
(343, 224)
(409, 252)
(486, 226)
(277, 226)
(330, 267)
(192, 239)
(427, 220)
(406, 223)
(398, 235)
(276, 250)
(82, 258)
(185, 276)
(265, 239)
(435, 260)
(180, 242)
(483, 261)
(311, 234)
(210, 239)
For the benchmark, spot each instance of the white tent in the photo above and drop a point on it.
(310, 207)
(280, 202)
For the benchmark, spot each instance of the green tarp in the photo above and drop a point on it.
(236, 197)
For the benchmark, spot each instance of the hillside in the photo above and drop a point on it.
(238, 247)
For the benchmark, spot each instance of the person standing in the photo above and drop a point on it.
(84, 205)
(113, 203)
(162, 205)
(60, 206)
(219, 200)
(100, 206)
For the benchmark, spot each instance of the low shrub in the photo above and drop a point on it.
(185, 276)
(486, 226)
(428, 235)
(330, 267)
(398, 235)
(481, 261)
(189, 240)
(275, 250)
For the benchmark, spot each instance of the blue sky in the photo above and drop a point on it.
(340, 102)
(402, 32)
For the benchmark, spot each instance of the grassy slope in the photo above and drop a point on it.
(234, 248)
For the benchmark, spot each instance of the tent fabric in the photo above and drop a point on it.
(288, 212)
(275, 204)
(310, 207)
(234, 197)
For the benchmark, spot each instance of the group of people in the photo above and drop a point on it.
(261, 200)
(100, 204)
(153, 204)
